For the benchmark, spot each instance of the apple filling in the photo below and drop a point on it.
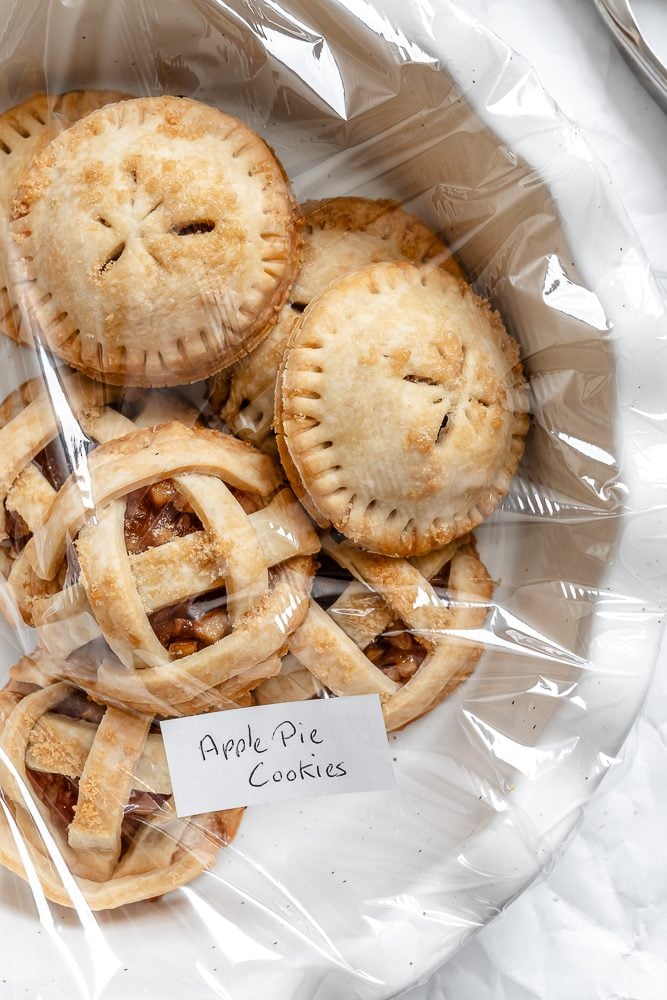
(396, 650)
(154, 515)
(60, 792)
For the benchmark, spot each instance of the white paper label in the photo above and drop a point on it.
(268, 753)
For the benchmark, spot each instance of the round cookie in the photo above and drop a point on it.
(154, 242)
(89, 785)
(24, 130)
(245, 400)
(344, 234)
(403, 408)
(182, 593)
(340, 235)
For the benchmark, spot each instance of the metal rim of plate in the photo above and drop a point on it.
(621, 20)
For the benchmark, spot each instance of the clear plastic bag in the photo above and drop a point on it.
(361, 895)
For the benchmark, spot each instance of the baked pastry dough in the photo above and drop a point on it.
(32, 461)
(340, 235)
(87, 802)
(44, 433)
(391, 632)
(292, 683)
(154, 242)
(244, 533)
(403, 408)
(24, 130)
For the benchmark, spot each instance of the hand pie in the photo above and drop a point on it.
(44, 435)
(24, 130)
(400, 629)
(402, 408)
(96, 778)
(154, 242)
(194, 569)
(340, 235)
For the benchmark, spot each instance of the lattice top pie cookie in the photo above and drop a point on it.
(24, 130)
(193, 571)
(402, 629)
(97, 779)
(402, 407)
(44, 435)
(340, 235)
(154, 242)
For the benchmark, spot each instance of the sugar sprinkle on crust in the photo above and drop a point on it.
(262, 558)
(109, 863)
(24, 131)
(340, 235)
(154, 242)
(390, 600)
(403, 408)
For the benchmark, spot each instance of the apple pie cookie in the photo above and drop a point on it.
(45, 433)
(194, 570)
(154, 242)
(33, 459)
(87, 802)
(24, 130)
(403, 408)
(340, 235)
(402, 629)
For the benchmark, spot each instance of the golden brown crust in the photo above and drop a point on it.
(403, 408)
(344, 234)
(290, 468)
(154, 242)
(333, 647)
(24, 130)
(298, 685)
(91, 863)
(30, 421)
(139, 459)
(171, 687)
(262, 558)
(61, 745)
(31, 418)
(248, 406)
(340, 235)
(196, 850)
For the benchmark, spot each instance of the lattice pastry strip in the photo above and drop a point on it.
(85, 665)
(261, 558)
(30, 497)
(89, 853)
(163, 575)
(293, 683)
(138, 460)
(362, 613)
(245, 656)
(31, 418)
(116, 600)
(169, 573)
(32, 421)
(232, 538)
(61, 745)
(331, 644)
(104, 789)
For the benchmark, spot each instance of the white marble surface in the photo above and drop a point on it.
(596, 927)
